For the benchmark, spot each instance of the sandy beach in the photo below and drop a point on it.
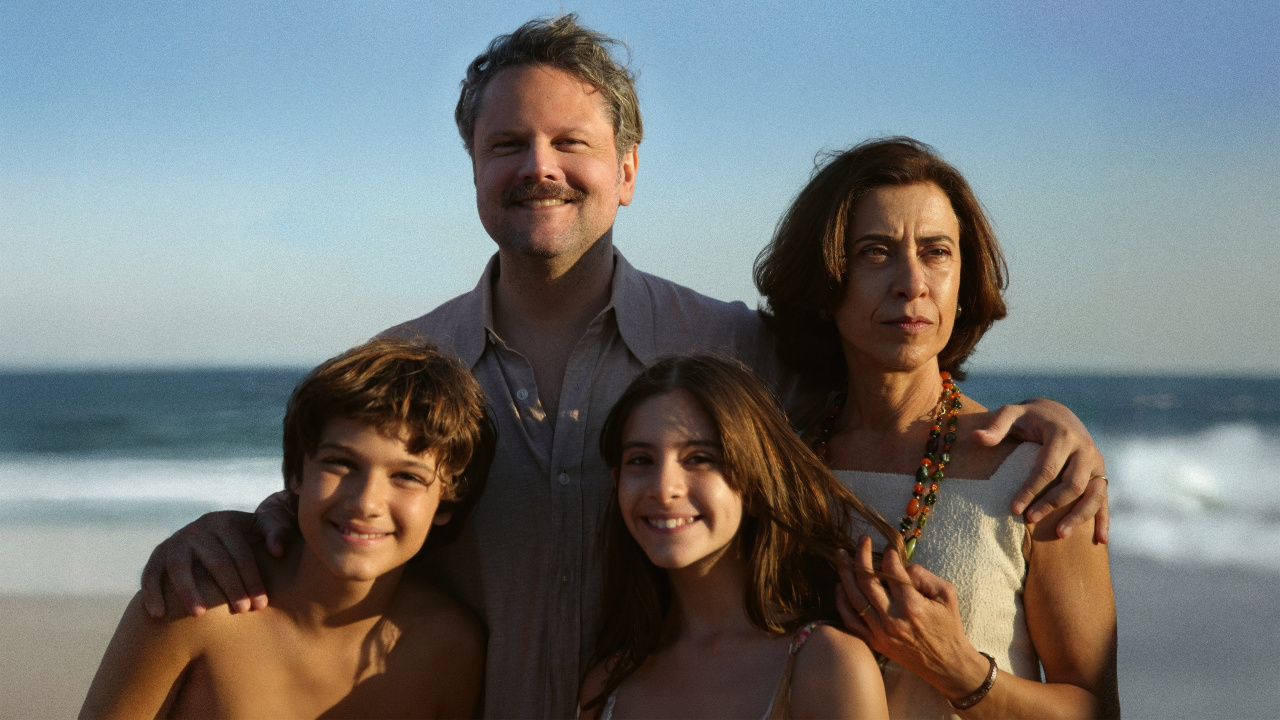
(1194, 643)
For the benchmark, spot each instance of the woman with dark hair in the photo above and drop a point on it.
(720, 553)
(880, 280)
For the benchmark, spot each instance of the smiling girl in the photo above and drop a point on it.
(376, 442)
(719, 559)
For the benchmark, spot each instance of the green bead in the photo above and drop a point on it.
(905, 524)
(923, 519)
(956, 404)
(931, 498)
(952, 421)
(910, 547)
(946, 456)
(951, 437)
(934, 433)
(922, 474)
(937, 476)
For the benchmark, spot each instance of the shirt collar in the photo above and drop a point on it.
(630, 301)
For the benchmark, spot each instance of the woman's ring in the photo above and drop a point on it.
(864, 610)
(1103, 478)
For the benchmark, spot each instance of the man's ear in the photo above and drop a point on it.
(295, 485)
(630, 162)
(442, 518)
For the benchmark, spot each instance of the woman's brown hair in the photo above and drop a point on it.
(802, 271)
(797, 515)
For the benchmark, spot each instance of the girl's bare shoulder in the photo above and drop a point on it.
(836, 675)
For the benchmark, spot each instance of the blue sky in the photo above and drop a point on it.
(269, 183)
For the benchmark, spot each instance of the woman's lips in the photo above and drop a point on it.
(910, 324)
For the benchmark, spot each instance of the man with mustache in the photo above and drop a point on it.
(556, 328)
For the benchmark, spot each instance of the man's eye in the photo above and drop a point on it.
(874, 252)
(638, 460)
(413, 479)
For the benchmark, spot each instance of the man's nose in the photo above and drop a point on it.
(541, 163)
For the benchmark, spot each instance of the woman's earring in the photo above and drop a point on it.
(958, 309)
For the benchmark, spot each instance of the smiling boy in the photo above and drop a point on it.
(380, 444)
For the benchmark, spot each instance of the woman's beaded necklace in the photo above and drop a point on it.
(937, 455)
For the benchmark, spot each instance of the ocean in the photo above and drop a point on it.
(96, 467)
(1192, 476)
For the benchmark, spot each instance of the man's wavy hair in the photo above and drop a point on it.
(563, 44)
(406, 390)
(803, 271)
(797, 515)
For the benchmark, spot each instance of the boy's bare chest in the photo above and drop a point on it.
(282, 677)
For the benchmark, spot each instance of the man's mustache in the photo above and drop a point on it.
(541, 191)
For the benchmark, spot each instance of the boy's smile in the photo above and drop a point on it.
(365, 503)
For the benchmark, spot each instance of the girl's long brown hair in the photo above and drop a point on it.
(797, 515)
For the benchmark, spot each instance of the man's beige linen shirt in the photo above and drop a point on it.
(528, 559)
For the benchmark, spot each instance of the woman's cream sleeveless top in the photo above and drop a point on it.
(973, 542)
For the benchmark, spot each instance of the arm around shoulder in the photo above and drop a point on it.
(142, 669)
(836, 676)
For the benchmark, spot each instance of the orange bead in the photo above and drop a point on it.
(918, 489)
(933, 488)
(926, 509)
(913, 507)
(945, 375)
(924, 462)
(915, 533)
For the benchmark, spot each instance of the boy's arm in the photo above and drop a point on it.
(140, 673)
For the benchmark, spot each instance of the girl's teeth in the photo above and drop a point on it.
(669, 523)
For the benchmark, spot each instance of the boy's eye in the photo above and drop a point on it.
(414, 479)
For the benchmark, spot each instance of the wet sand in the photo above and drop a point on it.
(1195, 642)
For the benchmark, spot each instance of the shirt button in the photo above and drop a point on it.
(522, 394)
(564, 576)
(564, 478)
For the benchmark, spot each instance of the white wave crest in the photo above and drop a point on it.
(1206, 498)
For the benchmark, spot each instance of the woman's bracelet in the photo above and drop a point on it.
(976, 696)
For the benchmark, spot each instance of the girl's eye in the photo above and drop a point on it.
(702, 459)
(638, 459)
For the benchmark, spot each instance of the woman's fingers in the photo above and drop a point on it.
(853, 622)
(871, 586)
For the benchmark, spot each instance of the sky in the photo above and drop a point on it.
(236, 183)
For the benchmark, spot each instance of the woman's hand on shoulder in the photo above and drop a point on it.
(836, 676)
(1068, 455)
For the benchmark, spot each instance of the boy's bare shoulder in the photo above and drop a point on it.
(430, 618)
